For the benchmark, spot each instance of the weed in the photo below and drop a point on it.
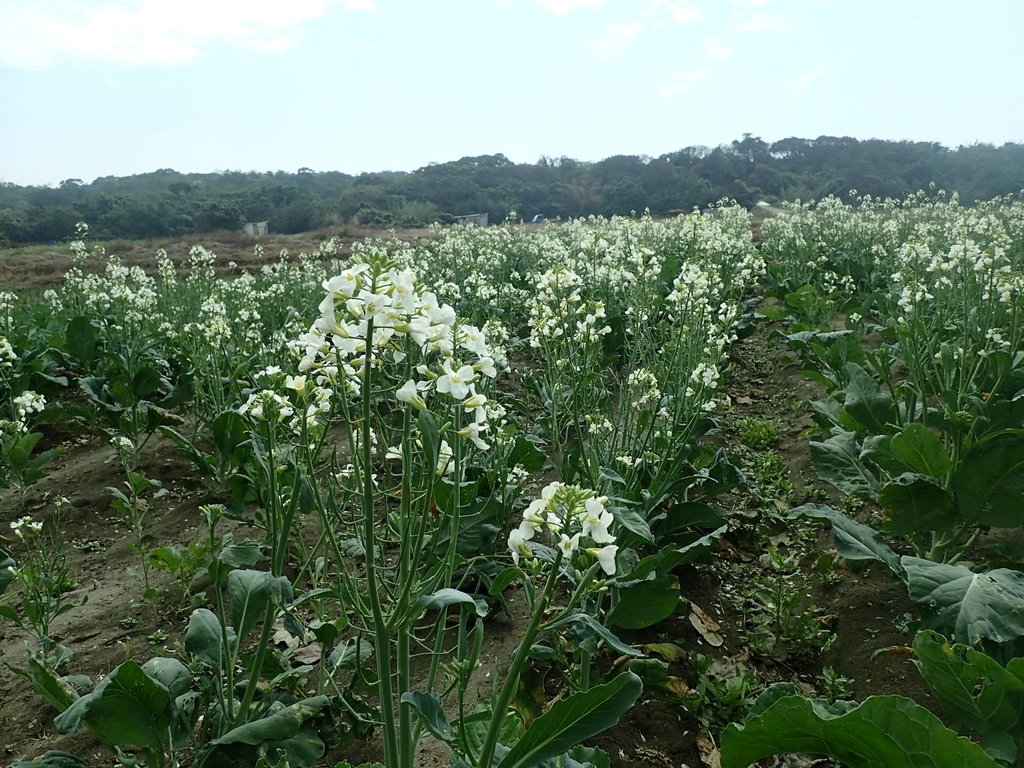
(758, 434)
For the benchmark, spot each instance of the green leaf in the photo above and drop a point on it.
(600, 630)
(280, 724)
(80, 337)
(837, 461)
(52, 687)
(237, 555)
(129, 708)
(503, 580)
(573, 720)
(881, 732)
(146, 383)
(428, 707)
(645, 603)
(251, 593)
(970, 606)
(228, 431)
(922, 450)
(989, 483)
(203, 638)
(630, 519)
(170, 673)
(854, 541)
(915, 504)
(473, 728)
(445, 597)
(52, 759)
(527, 455)
(980, 694)
(866, 402)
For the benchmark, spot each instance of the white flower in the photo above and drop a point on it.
(596, 520)
(569, 544)
(485, 366)
(606, 557)
(472, 431)
(517, 545)
(456, 383)
(445, 459)
(409, 393)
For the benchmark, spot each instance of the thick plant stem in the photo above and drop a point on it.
(511, 683)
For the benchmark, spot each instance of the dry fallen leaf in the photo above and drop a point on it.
(708, 628)
(708, 752)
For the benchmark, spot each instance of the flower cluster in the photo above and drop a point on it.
(26, 404)
(377, 315)
(23, 524)
(7, 354)
(574, 515)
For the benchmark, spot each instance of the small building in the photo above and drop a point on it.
(256, 228)
(477, 219)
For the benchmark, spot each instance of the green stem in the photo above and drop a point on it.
(382, 634)
(508, 688)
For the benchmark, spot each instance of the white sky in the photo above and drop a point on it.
(94, 88)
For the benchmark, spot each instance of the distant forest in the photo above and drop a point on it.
(748, 170)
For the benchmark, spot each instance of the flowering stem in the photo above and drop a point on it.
(382, 633)
(508, 688)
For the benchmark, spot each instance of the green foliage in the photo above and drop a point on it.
(982, 695)
(573, 720)
(881, 732)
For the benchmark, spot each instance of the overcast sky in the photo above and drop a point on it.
(94, 88)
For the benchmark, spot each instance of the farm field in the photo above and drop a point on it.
(607, 492)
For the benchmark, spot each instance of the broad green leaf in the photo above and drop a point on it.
(146, 383)
(431, 713)
(55, 689)
(854, 541)
(170, 673)
(970, 606)
(916, 504)
(251, 593)
(881, 732)
(81, 339)
(280, 724)
(203, 638)
(922, 450)
(350, 653)
(977, 691)
(645, 603)
(571, 721)
(989, 482)
(228, 431)
(866, 401)
(527, 455)
(128, 709)
(837, 461)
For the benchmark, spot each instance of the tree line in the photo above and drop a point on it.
(747, 170)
